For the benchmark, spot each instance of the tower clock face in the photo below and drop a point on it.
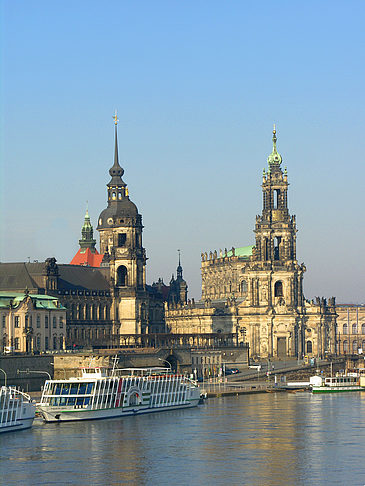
(110, 221)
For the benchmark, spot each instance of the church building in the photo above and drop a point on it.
(257, 291)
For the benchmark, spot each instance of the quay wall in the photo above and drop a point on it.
(34, 370)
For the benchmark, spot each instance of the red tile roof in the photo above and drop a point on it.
(87, 258)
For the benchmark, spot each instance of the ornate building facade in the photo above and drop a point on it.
(257, 291)
(350, 329)
(31, 323)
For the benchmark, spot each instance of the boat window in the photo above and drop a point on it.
(65, 389)
(74, 388)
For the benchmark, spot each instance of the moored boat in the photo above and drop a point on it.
(99, 394)
(335, 384)
(17, 409)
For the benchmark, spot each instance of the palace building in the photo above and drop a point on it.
(105, 294)
(31, 323)
(257, 291)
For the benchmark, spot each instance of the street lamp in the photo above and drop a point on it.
(33, 371)
(164, 360)
(5, 375)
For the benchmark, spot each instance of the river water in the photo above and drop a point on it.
(267, 439)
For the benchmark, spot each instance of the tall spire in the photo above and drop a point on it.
(116, 171)
(179, 270)
(274, 159)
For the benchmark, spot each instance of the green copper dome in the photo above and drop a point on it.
(274, 158)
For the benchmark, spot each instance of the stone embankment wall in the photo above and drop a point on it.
(33, 371)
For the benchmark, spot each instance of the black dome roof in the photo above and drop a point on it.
(121, 209)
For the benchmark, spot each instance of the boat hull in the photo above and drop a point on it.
(328, 389)
(61, 415)
(20, 424)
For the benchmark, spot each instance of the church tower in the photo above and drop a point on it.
(275, 235)
(120, 228)
(178, 293)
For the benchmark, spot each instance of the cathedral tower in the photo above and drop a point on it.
(120, 228)
(275, 235)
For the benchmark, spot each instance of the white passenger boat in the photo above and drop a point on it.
(17, 409)
(335, 384)
(98, 394)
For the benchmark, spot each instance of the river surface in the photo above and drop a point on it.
(266, 439)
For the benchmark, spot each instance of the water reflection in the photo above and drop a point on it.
(269, 439)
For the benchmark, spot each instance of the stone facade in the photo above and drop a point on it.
(257, 291)
(350, 329)
(31, 323)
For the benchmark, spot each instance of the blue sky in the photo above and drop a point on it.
(198, 86)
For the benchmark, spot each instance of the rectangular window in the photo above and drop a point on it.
(38, 321)
(4, 321)
(54, 342)
(16, 344)
(16, 321)
(122, 237)
(46, 342)
(46, 322)
(61, 322)
(54, 322)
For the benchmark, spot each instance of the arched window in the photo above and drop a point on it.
(122, 275)
(354, 347)
(277, 241)
(243, 288)
(354, 328)
(345, 347)
(278, 289)
(344, 329)
(114, 196)
(363, 329)
(309, 347)
(276, 198)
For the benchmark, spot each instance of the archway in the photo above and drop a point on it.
(122, 276)
(173, 362)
